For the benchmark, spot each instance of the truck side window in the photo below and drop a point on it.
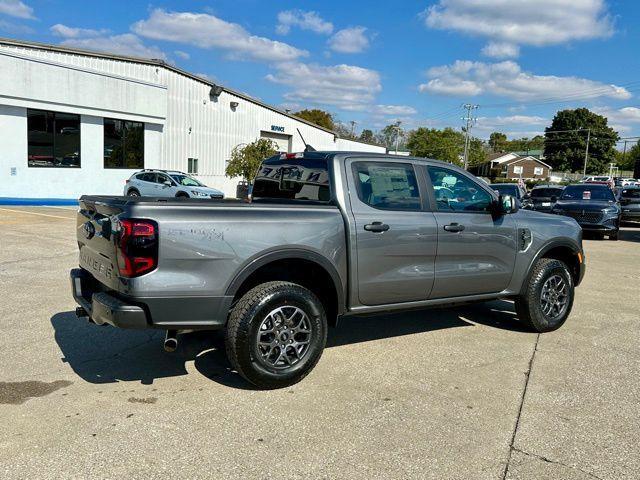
(387, 186)
(455, 191)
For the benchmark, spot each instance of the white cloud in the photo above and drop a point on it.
(303, 20)
(182, 55)
(501, 50)
(64, 31)
(349, 40)
(523, 22)
(393, 110)
(208, 31)
(521, 123)
(345, 86)
(16, 8)
(125, 44)
(620, 119)
(506, 79)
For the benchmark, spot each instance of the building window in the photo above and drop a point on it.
(53, 139)
(537, 171)
(192, 166)
(517, 169)
(123, 144)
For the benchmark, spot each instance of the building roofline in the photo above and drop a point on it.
(161, 63)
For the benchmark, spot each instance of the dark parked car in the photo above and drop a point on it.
(512, 189)
(630, 204)
(593, 206)
(543, 197)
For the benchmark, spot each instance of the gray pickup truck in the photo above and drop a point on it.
(327, 234)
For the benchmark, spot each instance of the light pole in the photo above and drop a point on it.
(586, 153)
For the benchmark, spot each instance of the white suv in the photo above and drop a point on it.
(167, 183)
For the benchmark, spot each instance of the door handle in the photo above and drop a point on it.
(377, 227)
(454, 227)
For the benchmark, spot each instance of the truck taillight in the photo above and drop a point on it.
(137, 251)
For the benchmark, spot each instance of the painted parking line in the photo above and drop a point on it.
(36, 213)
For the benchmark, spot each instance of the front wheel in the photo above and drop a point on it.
(276, 334)
(548, 297)
(614, 235)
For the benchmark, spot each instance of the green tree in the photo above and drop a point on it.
(627, 160)
(525, 144)
(388, 135)
(565, 150)
(319, 117)
(246, 158)
(497, 141)
(446, 145)
(367, 136)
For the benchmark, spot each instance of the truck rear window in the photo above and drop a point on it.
(293, 179)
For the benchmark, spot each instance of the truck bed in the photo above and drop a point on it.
(203, 246)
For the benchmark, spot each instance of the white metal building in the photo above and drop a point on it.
(74, 122)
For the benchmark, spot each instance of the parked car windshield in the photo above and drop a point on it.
(507, 189)
(546, 192)
(587, 192)
(186, 181)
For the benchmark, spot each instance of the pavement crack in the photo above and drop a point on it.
(522, 398)
(555, 462)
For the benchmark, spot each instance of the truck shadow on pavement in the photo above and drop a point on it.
(103, 354)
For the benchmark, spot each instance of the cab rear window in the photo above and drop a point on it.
(301, 179)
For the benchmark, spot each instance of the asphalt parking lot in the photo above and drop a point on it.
(464, 393)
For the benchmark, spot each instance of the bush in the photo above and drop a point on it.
(246, 159)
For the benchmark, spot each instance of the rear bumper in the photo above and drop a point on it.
(105, 308)
(171, 313)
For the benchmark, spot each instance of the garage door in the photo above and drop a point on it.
(283, 141)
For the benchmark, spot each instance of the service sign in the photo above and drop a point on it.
(277, 128)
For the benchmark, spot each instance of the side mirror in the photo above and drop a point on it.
(505, 205)
(166, 183)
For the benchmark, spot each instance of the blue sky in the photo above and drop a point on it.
(377, 62)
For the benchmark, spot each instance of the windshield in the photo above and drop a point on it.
(507, 189)
(546, 192)
(630, 193)
(587, 192)
(186, 181)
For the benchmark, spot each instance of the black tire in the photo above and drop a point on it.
(613, 236)
(530, 305)
(251, 315)
(182, 195)
(133, 193)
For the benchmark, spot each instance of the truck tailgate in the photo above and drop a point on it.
(97, 240)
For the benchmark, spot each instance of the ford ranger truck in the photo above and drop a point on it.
(327, 234)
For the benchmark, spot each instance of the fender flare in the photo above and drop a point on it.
(289, 254)
(546, 248)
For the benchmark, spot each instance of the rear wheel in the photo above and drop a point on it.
(276, 334)
(546, 303)
(133, 193)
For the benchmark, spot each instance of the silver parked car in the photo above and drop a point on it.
(167, 183)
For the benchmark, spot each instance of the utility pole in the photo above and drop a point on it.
(353, 127)
(469, 120)
(586, 153)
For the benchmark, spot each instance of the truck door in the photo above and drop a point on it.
(396, 233)
(476, 252)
